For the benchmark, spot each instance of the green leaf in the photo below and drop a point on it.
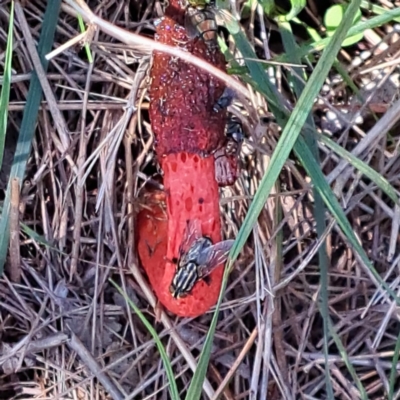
(333, 18)
(375, 9)
(297, 6)
(347, 362)
(318, 179)
(269, 7)
(5, 90)
(173, 389)
(28, 124)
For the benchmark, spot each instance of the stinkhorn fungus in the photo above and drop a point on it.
(188, 131)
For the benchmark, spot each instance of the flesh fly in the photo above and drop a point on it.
(201, 21)
(198, 257)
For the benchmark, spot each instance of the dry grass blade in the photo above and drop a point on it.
(14, 269)
(76, 345)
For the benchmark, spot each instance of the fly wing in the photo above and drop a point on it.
(193, 17)
(190, 234)
(213, 256)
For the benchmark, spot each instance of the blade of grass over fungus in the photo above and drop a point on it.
(173, 389)
(29, 119)
(369, 172)
(319, 209)
(281, 153)
(258, 78)
(5, 90)
(196, 385)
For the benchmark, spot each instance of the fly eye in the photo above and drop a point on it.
(174, 260)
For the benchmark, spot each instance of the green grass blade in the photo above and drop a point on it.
(369, 172)
(393, 371)
(28, 124)
(173, 389)
(347, 362)
(36, 237)
(312, 168)
(319, 209)
(284, 146)
(86, 45)
(195, 387)
(259, 79)
(293, 128)
(5, 90)
(373, 8)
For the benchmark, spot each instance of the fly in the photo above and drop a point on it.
(198, 257)
(201, 21)
(225, 100)
(227, 158)
(234, 137)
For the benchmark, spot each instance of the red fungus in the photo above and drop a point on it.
(188, 131)
(160, 237)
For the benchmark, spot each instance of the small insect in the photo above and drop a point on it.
(227, 157)
(200, 20)
(234, 136)
(198, 257)
(225, 100)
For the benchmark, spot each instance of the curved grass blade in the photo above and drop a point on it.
(173, 389)
(5, 90)
(28, 124)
